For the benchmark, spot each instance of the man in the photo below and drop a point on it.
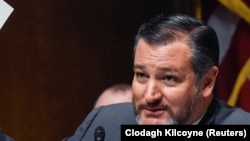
(175, 73)
(115, 94)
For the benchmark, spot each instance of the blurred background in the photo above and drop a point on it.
(57, 56)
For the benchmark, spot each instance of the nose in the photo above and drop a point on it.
(152, 93)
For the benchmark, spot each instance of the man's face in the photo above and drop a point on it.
(164, 84)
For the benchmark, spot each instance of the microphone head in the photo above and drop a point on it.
(99, 133)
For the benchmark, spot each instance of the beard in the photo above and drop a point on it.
(178, 118)
(169, 121)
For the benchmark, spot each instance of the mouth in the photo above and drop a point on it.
(154, 112)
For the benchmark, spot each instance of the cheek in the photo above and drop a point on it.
(178, 95)
(137, 90)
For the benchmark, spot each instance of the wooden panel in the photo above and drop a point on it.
(57, 56)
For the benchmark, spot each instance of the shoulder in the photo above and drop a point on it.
(231, 115)
(121, 113)
(110, 117)
(117, 108)
(4, 137)
(8, 138)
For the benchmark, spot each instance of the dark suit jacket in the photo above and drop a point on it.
(4, 137)
(109, 117)
(112, 116)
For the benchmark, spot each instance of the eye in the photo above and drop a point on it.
(169, 79)
(141, 76)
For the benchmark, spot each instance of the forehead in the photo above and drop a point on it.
(175, 49)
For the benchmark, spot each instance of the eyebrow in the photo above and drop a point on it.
(139, 67)
(164, 69)
(169, 69)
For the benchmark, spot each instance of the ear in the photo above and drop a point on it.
(208, 81)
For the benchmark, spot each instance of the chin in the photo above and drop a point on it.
(150, 121)
(155, 121)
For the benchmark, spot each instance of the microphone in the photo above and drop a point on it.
(99, 133)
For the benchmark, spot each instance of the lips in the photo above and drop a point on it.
(154, 112)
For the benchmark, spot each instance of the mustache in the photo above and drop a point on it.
(155, 104)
